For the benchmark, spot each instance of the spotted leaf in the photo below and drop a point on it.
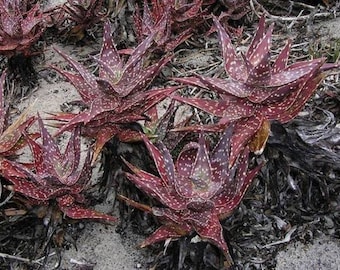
(161, 234)
(232, 64)
(76, 211)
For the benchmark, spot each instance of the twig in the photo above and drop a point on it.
(82, 263)
(299, 4)
(285, 240)
(288, 18)
(134, 204)
(21, 259)
(290, 26)
(7, 198)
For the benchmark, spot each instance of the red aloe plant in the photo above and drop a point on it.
(184, 13)
(82, 14)
(158, 19)
(55, 175)
(256, 91)
(19, 28)
(176, 20)
(235, 10)
(117, 97)
(196, 191)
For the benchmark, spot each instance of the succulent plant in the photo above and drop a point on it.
(118, 96)
(232, 11)
(184, 13)
(55, 176)
(80, 14)
(159, 19)
(19, 28)
(256, 91)
(21, 25)
(175, 17)
(196, 191)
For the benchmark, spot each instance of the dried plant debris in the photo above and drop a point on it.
(322, 132)
(34, 246)
(294, 199)
(298, 8)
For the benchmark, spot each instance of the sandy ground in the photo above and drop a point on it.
(324, 253)
(105, 249)
(100, 246)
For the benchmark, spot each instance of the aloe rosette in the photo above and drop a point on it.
(256, 90)
(119, 95)
(195, 191)
(55, 176)
(19, 28)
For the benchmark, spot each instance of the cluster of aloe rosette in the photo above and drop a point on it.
(22, 23)
(198, 188)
